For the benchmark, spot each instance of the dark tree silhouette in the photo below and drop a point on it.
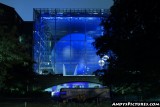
(132, 33)
(15, 63)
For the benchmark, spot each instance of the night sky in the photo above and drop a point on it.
(25, 7)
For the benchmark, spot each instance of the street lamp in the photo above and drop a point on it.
(102, 61)
(105, 57)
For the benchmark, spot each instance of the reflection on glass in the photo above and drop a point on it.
(63, 45)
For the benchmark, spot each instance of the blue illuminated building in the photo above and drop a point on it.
(56, 89)
(63, 40)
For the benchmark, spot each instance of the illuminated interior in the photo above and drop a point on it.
(56, 89)
(63, 41)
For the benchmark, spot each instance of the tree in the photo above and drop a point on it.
(132, 33)
(15, 69)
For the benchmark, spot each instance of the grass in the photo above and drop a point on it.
(53, 104)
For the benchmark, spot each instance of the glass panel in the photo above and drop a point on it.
(59, 68)
(78, 47)
(91, 68)
(77, 28)
(65, 43)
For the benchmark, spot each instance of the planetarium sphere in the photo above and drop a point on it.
(75, 53)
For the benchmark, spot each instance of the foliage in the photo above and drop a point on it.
(15, 62)
(132, 33)
(43, 103)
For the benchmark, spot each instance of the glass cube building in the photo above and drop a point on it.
(63, 40)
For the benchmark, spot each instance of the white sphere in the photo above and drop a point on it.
(101, 62)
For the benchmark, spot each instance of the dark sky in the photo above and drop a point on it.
(25, 7)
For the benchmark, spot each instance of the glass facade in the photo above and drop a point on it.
(63, 40)
(56, 89)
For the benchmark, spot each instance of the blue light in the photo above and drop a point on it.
(65, 44)
(56, 89)
(75, 53)
(48, 18)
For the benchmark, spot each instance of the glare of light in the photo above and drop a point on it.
(101, 62)
(48, 18)
(90, 18)
(20, 38)
(105, 57)
(52, 93)
(40, 72)
(48, 89)
(59, 13)
(59, 18)
(95, 13)
(67, 52)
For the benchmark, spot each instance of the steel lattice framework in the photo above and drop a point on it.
(63, 40)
